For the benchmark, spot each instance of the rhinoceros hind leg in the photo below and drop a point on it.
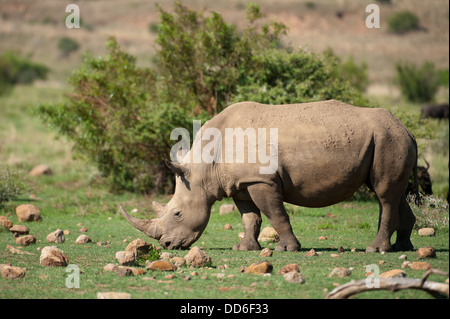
(407, 221)
(269, 200)
(251, 219)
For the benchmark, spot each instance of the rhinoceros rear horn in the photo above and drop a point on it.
(158, 208)
(149, 227)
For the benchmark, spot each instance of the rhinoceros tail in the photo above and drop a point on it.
(417, 198)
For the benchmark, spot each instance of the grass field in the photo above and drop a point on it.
(74, 194)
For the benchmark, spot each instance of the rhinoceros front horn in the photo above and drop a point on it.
(149, 227)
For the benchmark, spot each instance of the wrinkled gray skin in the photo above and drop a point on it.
(326, 151)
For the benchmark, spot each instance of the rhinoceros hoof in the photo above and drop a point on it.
(247, 245)
(288, 246)
(373, 249)
(404, 245)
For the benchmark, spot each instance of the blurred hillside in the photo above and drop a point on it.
(35, 28)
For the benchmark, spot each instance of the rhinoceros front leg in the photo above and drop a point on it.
(269, 200)
(251, 219)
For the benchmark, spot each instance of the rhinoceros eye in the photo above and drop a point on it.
(177, 214)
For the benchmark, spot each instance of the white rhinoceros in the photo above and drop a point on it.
(325, 152)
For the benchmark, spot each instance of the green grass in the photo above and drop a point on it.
(75, 195)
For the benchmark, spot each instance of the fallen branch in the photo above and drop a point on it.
(436, 289)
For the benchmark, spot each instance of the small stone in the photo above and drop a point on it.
(228, 227)
(83, 239)
(28, 213)
(334, 255)
(311, 253)
(12, 272)
(426, 252)
(419, 265)
(53, 256)
(259, 268)
(428, 231)
(110, 267)
(178, 261)
(139, 247)
(403, 257)
(269, 234)
(113, 295)
(13, 250)
(56, 237)
(165, 256)
(138, 271)
(323, 238)
(406, 264)
(66, 232)
(241, 235)
(194, 273)
(5, 222)
(25, 240)
(126, 258)
(171, 276)
(122, 272)
(197, 257)
(19, 230)
(226, 209)
(266, 252)
(340, 272)
(161, 265)
(294, 277)
(341, 250)
(394, 273)
(83, 229)
(289, 268)
(39, 170)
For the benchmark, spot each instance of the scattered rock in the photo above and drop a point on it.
(83, 239)
(426, 252)
(241, 235)
(110, 267)
(125, 271)
(171, 276)
(19, 230)
(83, 229)
(403, 257)
(289, 268)
(139, 247)
(113, 295)
(419, 265)
(178, 261)
(269, 234)
(41, 169)
(340, 272)
(5, 222)
(294, 277)
(28, 213)
(126, 258)
(406, 264)
(13, 250)
(263, 267)
(394, 273)
(341, 250)
(66, 232)
(25, 240)
(311, 253)
(266, 252)
(161, 265)
(12, 272)
(335, 255)
(226, 209)
(53, 256)
(323, 238)
(56, 237)
(197, 257)
(228, 227)
(427, 232)
(165, 255)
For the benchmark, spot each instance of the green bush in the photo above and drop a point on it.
(67, 45)
(15, 69)
(402, 22)
(417, 84)
(12, 184)
(120, 116)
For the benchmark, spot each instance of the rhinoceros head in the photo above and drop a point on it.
(182, 220)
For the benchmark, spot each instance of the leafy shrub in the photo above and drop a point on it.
(417, 84)
(12, 183)
(67, 45)
(402, 22)
(120, 116)
(15, 69)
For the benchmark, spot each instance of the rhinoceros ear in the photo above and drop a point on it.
(179, 169)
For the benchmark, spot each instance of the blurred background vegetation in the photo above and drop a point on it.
(113, 90)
